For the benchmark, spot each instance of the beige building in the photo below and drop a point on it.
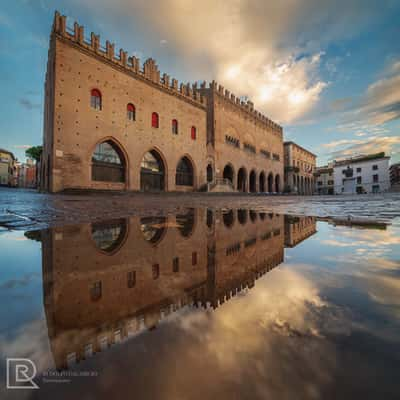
(111, 124)
(300, 166)
(7, 161)
(143, 269)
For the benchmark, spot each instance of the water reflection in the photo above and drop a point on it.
(153, 228)
(207, 287)
(155, 271)
(109, 235)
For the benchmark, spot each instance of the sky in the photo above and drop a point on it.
(327, 71)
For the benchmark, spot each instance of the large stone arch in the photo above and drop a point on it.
(277, 183)
(242, 180)
(253, 181)
(229, 173)
(153, 171)
(104, 165)
(185, 173)
(261, 182)
(270, 182)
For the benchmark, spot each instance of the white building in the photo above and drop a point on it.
(363, 174)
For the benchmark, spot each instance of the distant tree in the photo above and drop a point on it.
(34, 152)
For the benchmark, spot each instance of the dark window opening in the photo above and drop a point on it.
(184, 173)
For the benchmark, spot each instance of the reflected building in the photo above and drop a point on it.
(298, 229)
(105, 282)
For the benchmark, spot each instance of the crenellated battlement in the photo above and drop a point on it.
(149, 71)
(247, 106)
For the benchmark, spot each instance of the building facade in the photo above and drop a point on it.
(7, 168)
(110, 124)
(300, 166)
(363, 174)
(395, 177)
(324, 181)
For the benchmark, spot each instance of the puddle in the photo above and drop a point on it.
(205, 304)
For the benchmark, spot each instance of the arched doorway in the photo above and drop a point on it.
(184, 172)
(108, 163)
(253, 182)
(152, 172)
(270, 183)
(210, 175)
(261, 183)
(277, 184)
(301, 185)
(228, 172)
(242, 180)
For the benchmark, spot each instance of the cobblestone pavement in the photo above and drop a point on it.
(28, 209)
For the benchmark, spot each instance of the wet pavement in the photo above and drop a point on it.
(28, 209)
(181, 302)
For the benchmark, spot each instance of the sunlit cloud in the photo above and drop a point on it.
(253, 48)
(349, 147)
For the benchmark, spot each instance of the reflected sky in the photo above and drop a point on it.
(224, 304)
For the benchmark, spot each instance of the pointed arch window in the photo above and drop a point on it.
(193, 133)
(154, 120)
(95, 99)
(184, 172)
(131, 112)
(174, 126)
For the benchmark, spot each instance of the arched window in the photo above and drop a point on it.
(152, 172)
(174, 126)
(193, 133)
(109, 236)
(131, 112)
(95, 99)
(108, 163)
(154, 120)
(184, 172)
(153, 228)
